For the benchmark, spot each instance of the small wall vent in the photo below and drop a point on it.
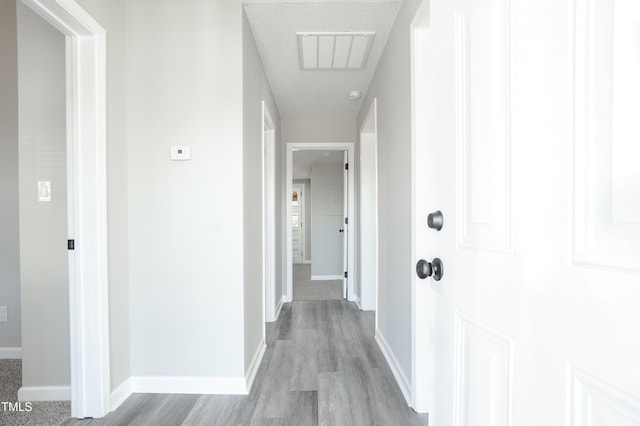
(334, 50)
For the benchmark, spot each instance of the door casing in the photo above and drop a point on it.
(268, 217)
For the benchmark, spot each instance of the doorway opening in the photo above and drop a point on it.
(86, 217)
(329, 223)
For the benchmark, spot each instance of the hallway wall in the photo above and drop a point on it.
(184, 81)
(391, 85)
(318, 130)
(9, 222)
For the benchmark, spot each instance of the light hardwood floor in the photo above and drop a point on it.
(322, 366)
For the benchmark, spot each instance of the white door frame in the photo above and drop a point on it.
(324, 146)
(369, 127)
(268, 217)
(87, 203)
(422, 308)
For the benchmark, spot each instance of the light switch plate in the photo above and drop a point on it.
(180, 153)
(44, 191)
(3, 314)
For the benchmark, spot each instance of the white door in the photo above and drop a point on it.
(296, 223)
(345, 228)
(527, 140)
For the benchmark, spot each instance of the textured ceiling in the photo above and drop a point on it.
(316, 94)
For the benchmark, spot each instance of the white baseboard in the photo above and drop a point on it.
(189, 385)
(282, 301)
(44, 393)
(404, 384)
(306, 262)
(10, 353)
(121, 393)
(357, 300)
(250, 375)
(326, 277)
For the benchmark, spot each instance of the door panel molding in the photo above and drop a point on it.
(606, 178)
(483, 129)
(483, 369)
(594, 402)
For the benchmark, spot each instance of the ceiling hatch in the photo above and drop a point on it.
(334, 50)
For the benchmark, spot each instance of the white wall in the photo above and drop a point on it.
(9, 221)
(112, 16)
(391, 85)
(43, 225)
(318, 130)
(184, 82)
(327, 216)
(306, 191)
(255, 90)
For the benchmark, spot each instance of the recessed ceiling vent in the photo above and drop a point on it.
(334, 50)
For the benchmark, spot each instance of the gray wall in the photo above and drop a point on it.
(43, 225)
(9, 223)
(391, 84)
(306, 191)
(326, 219)
(255, 90)
(112, 16)
(319, 130)
(185, 87)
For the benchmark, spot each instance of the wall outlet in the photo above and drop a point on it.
(3, 314)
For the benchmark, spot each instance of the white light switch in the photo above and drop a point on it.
(3, 314)
(179, 153)
(44, 191)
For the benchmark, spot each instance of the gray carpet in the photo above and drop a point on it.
(42, 414)
(305, 289)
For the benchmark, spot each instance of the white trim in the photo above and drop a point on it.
(353, 220)
(279, 307)
(87, 203)
(306, 262)
(401, 379)
(423, 304)
(358, 302)
(326, 277)
(372, 116)
(268, 218)
(44, 393)
(250, 375)
(121, 393)
(10, 353)
(189, 385)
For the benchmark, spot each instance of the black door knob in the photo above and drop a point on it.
(426, 269)
(435, 220)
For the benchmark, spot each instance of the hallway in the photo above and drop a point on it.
(321, 366)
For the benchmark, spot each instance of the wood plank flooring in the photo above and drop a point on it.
(322, 366)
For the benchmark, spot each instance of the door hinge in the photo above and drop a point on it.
(346, 274)
(346, 166)
(71, 244)
(346, 220)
